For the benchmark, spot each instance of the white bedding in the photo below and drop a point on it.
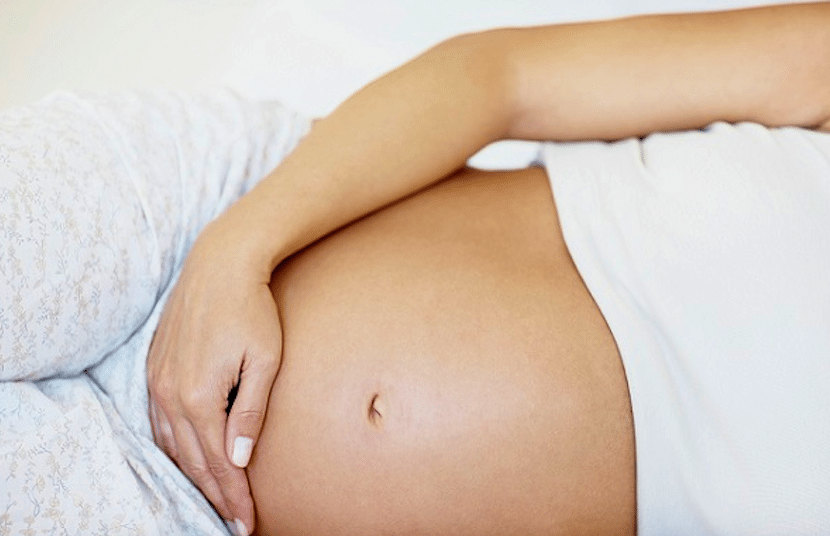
(100, 198)
(708, 254)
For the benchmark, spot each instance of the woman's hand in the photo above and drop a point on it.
(219, 329)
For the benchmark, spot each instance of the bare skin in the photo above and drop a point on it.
(598, 80)
(446, 372)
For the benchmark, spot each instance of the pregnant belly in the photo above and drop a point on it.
(445, 371)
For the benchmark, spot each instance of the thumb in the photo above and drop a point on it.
(248, 413)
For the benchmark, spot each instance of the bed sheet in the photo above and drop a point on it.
(100, 198)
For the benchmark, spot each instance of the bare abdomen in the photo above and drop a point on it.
(446, 372)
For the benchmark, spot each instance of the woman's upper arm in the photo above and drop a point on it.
(628, 77)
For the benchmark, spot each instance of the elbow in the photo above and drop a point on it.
(815, 105)
(804, 96)
(823, 90)
(487, 60)
(801, 95)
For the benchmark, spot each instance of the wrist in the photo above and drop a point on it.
(236, 240)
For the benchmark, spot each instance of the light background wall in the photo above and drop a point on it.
(311, 54)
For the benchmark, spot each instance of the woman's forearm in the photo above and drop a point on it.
(631, 77)
(400, 133)
(601, 80)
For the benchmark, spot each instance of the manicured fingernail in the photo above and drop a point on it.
(241, 529)
(242, 447)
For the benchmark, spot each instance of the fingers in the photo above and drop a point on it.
(232, 482)
(248, 411)
(199, 452)
(193, 462)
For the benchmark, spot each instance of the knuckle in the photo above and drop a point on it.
(194, 401)
(164, 392)
(220, 469)
(197, 472)
(249, 417)
(268, 365)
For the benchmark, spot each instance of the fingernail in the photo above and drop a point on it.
(241, 529)
(242, 447)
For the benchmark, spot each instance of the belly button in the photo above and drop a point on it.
(377, 409)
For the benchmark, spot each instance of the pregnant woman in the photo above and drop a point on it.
(447, 370)
(486, 369)
(630, 336)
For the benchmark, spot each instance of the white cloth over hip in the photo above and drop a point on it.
(101, 197)
(708, 253)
